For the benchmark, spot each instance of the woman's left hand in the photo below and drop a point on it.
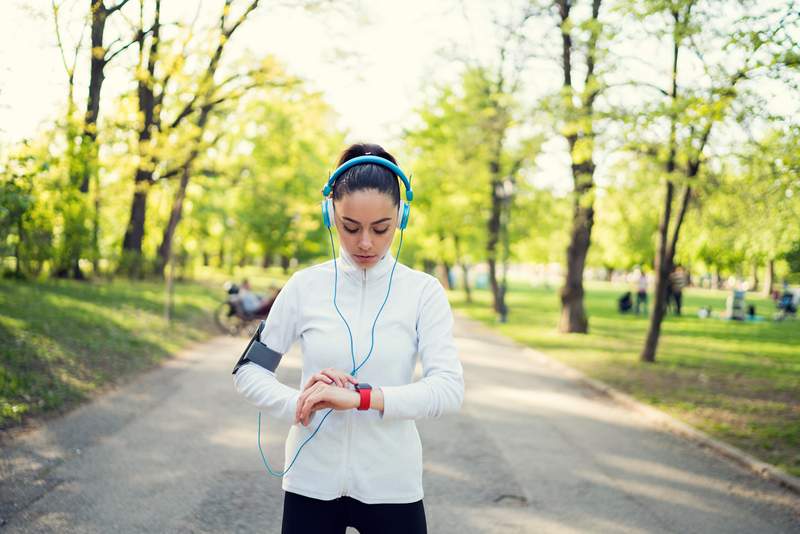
(321, 396)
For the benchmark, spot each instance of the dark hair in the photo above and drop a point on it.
(368, 175)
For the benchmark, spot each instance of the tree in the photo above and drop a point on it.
(101, 55)
(462, 148)
(757, 48)
(289, 141)
(152, 88)
(82, 150)
(447, 156)
(72, 207)
(578, 107)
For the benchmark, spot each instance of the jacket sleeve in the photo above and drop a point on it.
(259, 385)
(441, 389)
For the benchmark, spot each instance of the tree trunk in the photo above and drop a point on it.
(96, 79)
(755, 276)
(493, 226)
(663, 268)
(17, 247)
(132, 260)
(89, 149)
(769, 280)
(573, 314)
(447, 268)
(165, 248)
(464, 268)
(663, 260)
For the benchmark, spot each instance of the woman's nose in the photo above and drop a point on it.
(364, 242)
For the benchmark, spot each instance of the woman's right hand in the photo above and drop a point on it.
(331, 376)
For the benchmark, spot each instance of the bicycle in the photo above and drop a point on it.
(231, 317)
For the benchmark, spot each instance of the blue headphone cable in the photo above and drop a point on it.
(352, 353)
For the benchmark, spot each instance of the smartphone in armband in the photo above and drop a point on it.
(259, 353)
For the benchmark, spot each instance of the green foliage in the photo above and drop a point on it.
(760, 185)
(463, 133)
(284, 144)
(624, 235)
(269, 143)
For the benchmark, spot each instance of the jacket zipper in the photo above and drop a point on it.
(349, 427)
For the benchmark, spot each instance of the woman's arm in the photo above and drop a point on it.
(262, 389)
(441, 389)
(259, 385)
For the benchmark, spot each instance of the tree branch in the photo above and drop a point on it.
(117, 7)
(117, 52)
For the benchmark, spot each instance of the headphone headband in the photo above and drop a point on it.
(360, 160)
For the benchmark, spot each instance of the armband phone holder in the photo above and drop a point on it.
(259, 353)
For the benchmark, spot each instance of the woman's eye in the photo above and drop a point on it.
(351, 230)
(381, 231)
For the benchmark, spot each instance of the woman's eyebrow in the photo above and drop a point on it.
(374, 222)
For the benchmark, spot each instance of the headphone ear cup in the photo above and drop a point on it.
(402, 214)
(327, 212)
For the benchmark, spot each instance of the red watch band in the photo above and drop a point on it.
(366, 397)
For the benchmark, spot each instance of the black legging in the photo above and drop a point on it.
(303, 515)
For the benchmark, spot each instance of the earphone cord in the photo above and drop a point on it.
(352, 353)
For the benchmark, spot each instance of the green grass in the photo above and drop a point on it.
(60, 341)
(737, 381)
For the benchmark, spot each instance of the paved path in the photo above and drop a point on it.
(532, 451)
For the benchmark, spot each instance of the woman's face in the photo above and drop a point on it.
(366, 221)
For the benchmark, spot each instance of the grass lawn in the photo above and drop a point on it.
(62, 340)
(737, 381)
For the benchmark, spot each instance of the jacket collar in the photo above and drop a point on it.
(347, 265)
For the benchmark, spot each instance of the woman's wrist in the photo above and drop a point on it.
(375, 401)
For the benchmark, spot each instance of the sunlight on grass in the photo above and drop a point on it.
(738, 381)
(63, 340)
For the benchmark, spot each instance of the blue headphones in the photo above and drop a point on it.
(327, 204)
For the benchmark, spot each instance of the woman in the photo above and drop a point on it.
(361, 319)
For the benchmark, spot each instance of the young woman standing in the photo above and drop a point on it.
(363, 320)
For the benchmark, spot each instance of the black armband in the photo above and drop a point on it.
(259, 353)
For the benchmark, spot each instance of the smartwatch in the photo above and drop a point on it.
(365, 390)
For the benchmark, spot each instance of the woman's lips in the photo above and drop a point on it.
(364, 258)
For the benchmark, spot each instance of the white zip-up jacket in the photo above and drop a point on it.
(371, 456)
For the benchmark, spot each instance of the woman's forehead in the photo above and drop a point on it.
(366, 206)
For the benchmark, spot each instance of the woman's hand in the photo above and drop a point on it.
(331, 376)
(320, 396)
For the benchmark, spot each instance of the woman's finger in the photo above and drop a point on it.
(310, 400)
(304, 395)
(319, 377)
(305, 415)
(342, 377)
(336, 376)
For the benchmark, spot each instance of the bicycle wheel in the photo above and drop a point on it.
(227, 321)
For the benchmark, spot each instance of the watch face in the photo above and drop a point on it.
(363, 386)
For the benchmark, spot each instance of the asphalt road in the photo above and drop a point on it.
(532, 450)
